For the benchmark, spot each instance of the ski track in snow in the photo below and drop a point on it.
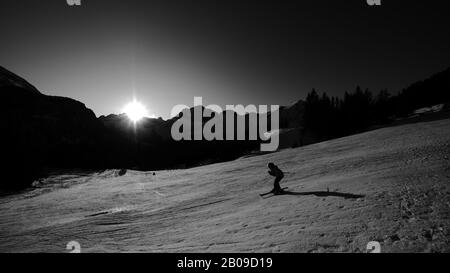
(403, 173)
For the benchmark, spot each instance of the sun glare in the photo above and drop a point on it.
(135, 111)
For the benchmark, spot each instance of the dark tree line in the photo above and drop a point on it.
(329, 117)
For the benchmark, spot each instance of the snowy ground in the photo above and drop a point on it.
(403, 173)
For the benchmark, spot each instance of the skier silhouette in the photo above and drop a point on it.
(275, 171)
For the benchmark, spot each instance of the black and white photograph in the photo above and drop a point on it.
(252, 127)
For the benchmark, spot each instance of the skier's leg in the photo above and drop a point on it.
(276, 184)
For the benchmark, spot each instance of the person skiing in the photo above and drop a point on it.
(278, 174)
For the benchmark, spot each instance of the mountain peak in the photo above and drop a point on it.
(9, 79)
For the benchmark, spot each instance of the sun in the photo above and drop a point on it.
(135, 111)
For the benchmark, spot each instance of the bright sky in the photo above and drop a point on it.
(105, 53)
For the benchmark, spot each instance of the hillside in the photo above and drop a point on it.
(41, 131)
(390, 185)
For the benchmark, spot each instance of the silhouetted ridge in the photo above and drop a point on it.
(43, 132)
(9, 79)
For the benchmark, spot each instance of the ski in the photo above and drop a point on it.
(267, 193)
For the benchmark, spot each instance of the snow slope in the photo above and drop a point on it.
(402, 173)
